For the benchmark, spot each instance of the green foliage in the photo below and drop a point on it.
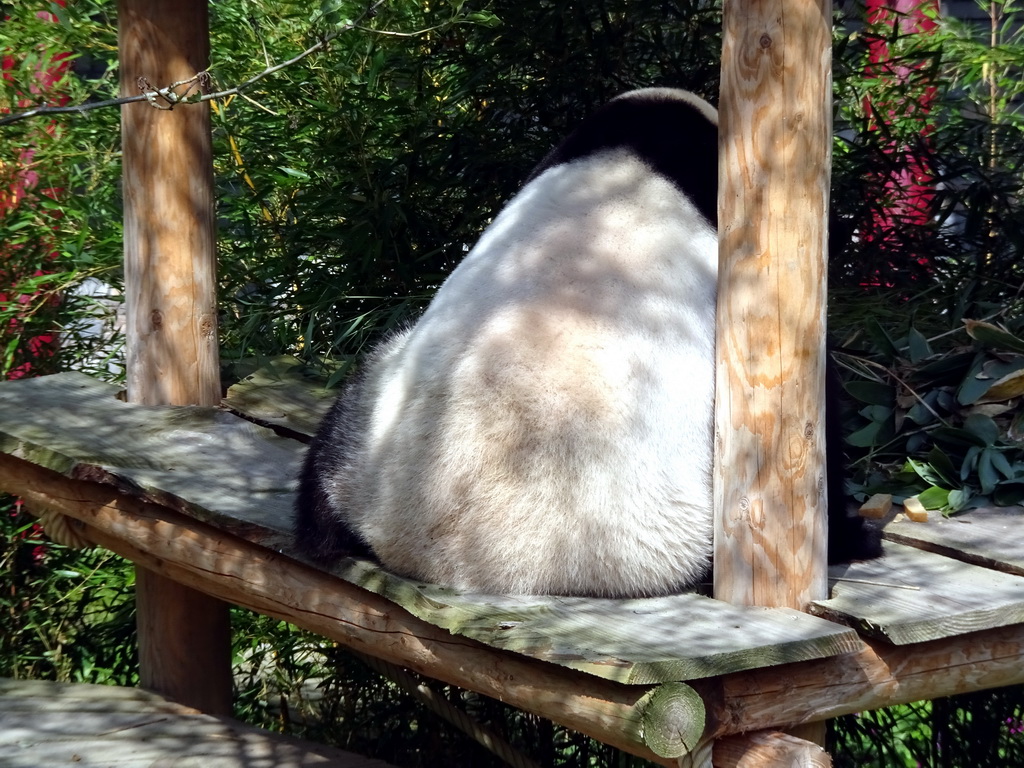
(383, 161)
(351, 181)
(326, 694)
(946, 426)
(60, 210)
(982, 730)
(66, 615)
(946, 101)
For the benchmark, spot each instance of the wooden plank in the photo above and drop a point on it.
(988, 536)
(879, 674)
(775, 142)
(768, 748)
(201, 461)
(244, 485)
(45, 724)
(910, 596)
(680, 637)
(184, 638)
(285, 394)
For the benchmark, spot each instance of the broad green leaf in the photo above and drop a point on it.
(973, 387)
(872, 392)
(1002, 465)
(994, 336)
(876, 412)
(942, 465)
(920, 413)
(918, 345)
(970, 461)
(923, 470)
(983, 427)
(934, 497)
(866, 436)
(987, 475)
(958, 499)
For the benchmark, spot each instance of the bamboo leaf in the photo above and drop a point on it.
(993, 335)
(919, 347)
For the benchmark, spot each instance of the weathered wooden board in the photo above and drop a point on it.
(47, 724)
(285, 394)
(910, 596)
(204, 462)
(680, 637)
(990, 536)
(223, 470)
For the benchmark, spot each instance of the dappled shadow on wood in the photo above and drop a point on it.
(44, 723)
(204, 462)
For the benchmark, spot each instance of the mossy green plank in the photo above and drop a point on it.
(650, 640)
(285, 394)
(205, 462)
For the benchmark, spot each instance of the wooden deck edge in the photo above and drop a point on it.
(220, 469)
(880, 675)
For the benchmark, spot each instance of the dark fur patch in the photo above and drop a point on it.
(850, 537)
(321, 531)
(673, 137)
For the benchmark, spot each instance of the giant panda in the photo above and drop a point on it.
(546, 425)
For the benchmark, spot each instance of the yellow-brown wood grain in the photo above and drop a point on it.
(775, 135)
(171, 298)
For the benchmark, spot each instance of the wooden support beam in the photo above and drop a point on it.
(878, 676)
(170, 294)
(772, 748)
(775, 139)
(184, 643)
(170, 261)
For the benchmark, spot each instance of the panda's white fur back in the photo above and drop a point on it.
(546, 426)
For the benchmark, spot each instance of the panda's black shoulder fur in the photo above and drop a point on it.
(672, 134)
(321, 527)
(319, 532)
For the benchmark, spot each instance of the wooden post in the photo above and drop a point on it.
(775, 131)
(775, 137)
(772, 748)
(170, 287)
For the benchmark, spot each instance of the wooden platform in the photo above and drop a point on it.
(204, 496)
(55, 724)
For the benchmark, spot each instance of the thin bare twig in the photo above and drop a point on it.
(172, 98)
